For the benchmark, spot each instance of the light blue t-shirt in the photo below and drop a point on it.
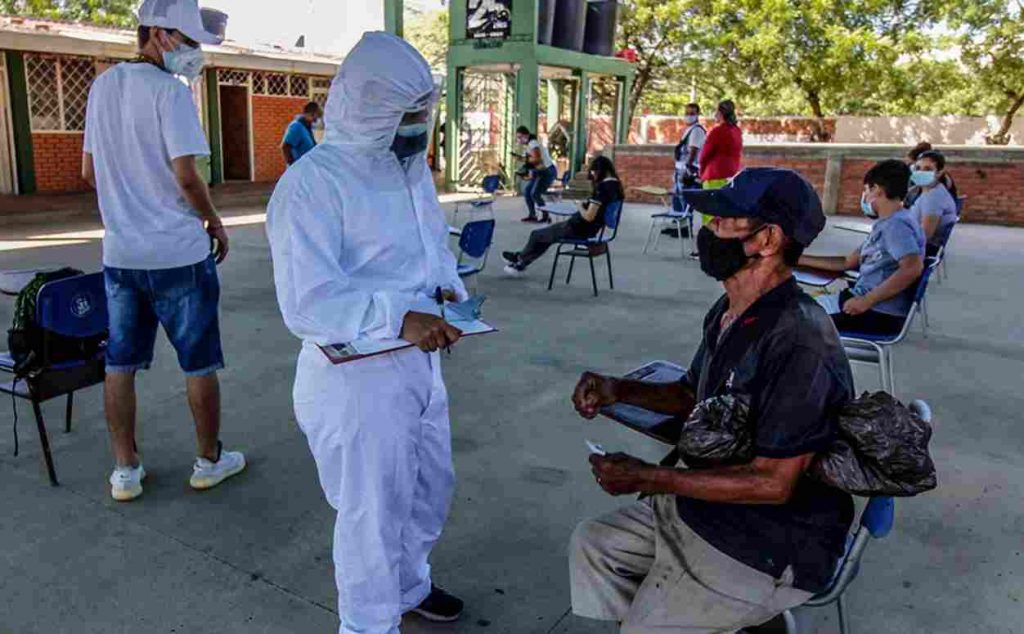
(891, 240)
(936, 202)
(299, 138)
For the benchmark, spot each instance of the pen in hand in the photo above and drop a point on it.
(439, 298)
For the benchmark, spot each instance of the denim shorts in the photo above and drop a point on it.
(184, 300)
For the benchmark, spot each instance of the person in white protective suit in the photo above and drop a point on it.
(359, 244)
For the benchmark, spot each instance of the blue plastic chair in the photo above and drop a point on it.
(943, 272)
(590, 248)
(71, 307)
(876, 522)
(475, 243)
(490, 184)
(877, 350)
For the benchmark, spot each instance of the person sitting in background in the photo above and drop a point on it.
(915, 153)
(585, 223)
(890, 261)
(298, 137)
(935, 205)
(722, 154)
(541, 173)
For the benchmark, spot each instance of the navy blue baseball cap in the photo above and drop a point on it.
(775, 196)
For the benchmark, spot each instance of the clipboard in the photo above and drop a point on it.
(463, 315)
(662, 427)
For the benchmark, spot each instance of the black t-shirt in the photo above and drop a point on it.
(605, 193)
(784, 357)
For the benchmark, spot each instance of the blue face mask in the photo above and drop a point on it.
(410, 140)
(922, 178)
(866, 208)
(185, 61)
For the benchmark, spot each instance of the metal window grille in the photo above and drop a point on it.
(299, 86)
(58, 89)
(318, 89)
(233, 77)
(259, 84)
(277, 84)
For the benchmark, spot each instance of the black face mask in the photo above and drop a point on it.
(721, 258)
(406, 146)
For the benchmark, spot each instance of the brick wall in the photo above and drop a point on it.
(991, 178)
(270, 117)
(58, 162)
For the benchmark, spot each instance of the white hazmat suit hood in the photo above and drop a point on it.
(381, 79)
(358, 240)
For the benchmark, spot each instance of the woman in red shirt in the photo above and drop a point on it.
(723, 151)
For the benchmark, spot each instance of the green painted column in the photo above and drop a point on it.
(453, 108)
(21, 122)
(582, 108)
(213, 125)
(527, 84)
(394, 17)
(625, 116)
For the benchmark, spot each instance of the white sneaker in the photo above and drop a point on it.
(126, 483)
(206, 474)
(512, 271)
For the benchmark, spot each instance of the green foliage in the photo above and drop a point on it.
(428, 32)
(119, 13)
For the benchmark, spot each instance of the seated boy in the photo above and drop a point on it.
(890, 261)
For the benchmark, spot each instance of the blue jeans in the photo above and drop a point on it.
(183, 300)
(537, 186)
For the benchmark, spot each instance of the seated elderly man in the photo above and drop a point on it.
(716, 548)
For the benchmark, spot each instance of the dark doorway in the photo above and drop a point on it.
(234, 123)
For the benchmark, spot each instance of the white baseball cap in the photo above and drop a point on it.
(203, 25)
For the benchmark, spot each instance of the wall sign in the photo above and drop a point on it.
(488, 19)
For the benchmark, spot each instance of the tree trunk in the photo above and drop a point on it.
(820, 134)
(640, 81)
(1002, 137)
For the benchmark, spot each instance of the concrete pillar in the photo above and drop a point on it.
(833, 180)
(394, 12)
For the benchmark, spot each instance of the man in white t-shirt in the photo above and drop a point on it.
(163, 236)
(541, 174)
(687, 153)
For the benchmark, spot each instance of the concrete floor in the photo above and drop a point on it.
(254, 555)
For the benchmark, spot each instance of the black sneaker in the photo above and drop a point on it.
(439, 606)
(511, 258)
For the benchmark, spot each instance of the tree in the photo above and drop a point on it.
(839, 56)
(428, 32)
(117, 13)
(992, 47)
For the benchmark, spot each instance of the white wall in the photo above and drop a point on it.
(946, 130)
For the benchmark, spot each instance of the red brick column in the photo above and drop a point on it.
(270, 118)
(58, 162)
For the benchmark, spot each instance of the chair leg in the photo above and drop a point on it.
(593, 273)
(67, 412)
(844, 625)
(682, 241)
(554, 265)
(650, 235)
(790, 620)
(608, 256)
(44, 441)
(572, 265)
(892, 371)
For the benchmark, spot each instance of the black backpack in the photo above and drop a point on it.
(31, 345)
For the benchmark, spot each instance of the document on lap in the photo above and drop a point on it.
(659, 426)
(463, 315)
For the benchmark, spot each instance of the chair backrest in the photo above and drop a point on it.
(491, 183)
(612, 215)
(566, 177)
(476, 238)
(922, 282)
(879, 516)
(74, 306)
(960, 206)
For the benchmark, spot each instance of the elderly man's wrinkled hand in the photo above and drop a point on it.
(593, 392)
(621, 474)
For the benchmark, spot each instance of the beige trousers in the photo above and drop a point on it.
(642, 566)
